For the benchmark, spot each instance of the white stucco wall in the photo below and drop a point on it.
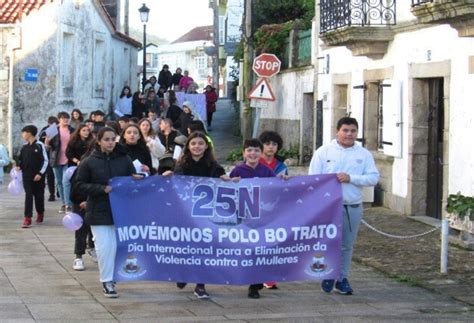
(288, 88)
(432, 44)
(42, 49)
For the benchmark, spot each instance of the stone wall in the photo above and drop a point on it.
(43, 38)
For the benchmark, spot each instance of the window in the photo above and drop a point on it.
(67, 66)
(382, 126)
(222, 22)
(200, 62)
(99, 68)
(125, 66)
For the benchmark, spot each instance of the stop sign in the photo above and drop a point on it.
(266, 65)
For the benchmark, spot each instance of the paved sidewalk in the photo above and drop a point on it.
(37, 283)
(225, 130)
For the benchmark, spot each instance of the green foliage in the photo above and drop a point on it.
(461, 205)
(235, 155)
(272, 38)
(239, 51)
(292, 152)
(281, 11)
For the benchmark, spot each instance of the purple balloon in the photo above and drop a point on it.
(70, 171)
(72, 221)
(15, 187)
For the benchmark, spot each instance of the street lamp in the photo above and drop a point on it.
(144, 11)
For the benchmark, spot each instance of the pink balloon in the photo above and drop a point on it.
(15, 187)
(72, 221)
(70, 171)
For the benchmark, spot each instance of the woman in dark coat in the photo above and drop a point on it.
(94, 172)
(138, 105)
(136, 148)
(165, 78)
(211, 99)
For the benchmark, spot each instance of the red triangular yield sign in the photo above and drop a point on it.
(262, 91)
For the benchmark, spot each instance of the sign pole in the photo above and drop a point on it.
(258, 111)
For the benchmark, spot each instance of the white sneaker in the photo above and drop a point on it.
(93, 254)
(78, 264)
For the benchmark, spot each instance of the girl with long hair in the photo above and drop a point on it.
(76, 118)
(152, 141)
(123, 107)
(198, 160)
(78, 147)
(79, 144)
(136, 148)
(108, 160)
(170, 138)
(174, 111)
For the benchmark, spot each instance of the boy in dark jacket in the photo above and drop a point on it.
(33, 163)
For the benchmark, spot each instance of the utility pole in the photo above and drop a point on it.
(246, 126)
(215, 62)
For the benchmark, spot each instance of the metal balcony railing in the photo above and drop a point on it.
(415, 3)
(342, 13)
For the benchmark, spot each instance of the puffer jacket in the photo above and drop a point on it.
(93, 175)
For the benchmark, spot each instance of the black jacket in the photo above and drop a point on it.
(184, 121)
(76, 151)
(173, 113)
(200, 168)
(176, 78)
(55, 145)
(140, 153)
(94, 173)
(33, 160)
(165, 79)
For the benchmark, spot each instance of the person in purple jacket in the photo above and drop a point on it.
(251, 167)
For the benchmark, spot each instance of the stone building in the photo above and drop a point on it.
(60, 55)
(404, 69)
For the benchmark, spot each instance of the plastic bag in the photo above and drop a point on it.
(15, 187)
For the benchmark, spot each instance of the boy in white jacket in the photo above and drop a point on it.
(355, 168)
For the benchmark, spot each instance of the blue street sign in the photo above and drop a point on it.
(31, 75)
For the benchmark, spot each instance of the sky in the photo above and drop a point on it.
(170, 19)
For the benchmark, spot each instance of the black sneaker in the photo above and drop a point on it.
(181, 285)
(109, 290)
(62, 209)
(51, 198)
(253, 292)
(200, 292)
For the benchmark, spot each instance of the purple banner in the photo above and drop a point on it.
(204, 230)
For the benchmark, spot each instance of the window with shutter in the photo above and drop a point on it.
(357, 109)
(391, 128)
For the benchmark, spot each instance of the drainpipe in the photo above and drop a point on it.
(11, 65)
(316, 29)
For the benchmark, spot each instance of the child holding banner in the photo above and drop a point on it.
(93, 174)
(198, 160)
(272, 143)
(137, 148)
(251, 167)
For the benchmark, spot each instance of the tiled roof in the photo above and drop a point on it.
(12, 10)
(198, 33)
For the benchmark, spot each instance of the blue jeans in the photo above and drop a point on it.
(351, 217)
(63, 183)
